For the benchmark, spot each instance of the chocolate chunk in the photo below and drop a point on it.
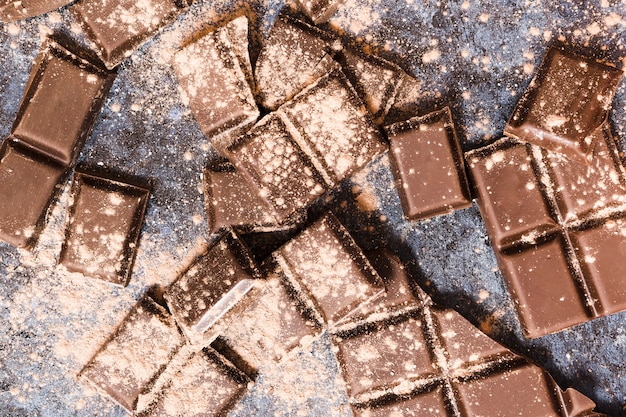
(61, 102)
(29, 184)
(328, 271)
(102, 232)
(138, 351)
(119, 27)
(293, 57)
(23, 9)
(214, 288)
(567, 100)
(210, 73)
(319, 11)
(428, 165)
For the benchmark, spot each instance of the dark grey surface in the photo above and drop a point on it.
(51, 321)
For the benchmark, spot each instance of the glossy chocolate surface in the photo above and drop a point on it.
(15, 10)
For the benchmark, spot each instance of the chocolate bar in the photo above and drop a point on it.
(319, 11)
(103, 226)
(61, 102)
(566, 102)
(428, 165)
(135, 355)
(23, 9)
(212, 76)
(120, 27)
(434, 362)
(555, 227)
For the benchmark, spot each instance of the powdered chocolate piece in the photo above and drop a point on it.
(319, 11)
(211, 75)
(555, 241)
(102, 232)
(138, 351)
(28, 184)
(61, 102)
(328, 271)
(294, 56)
(428, 165)
(206, 385)
(567, 100)
(214, 286)
(119, 27)
(23, 9)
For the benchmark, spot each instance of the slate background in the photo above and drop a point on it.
(51, 321)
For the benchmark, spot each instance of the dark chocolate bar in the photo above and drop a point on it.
(319, 11)
(566, 102)
(103, 227)
(61, 102)
(23, 9)
(556, 228)
(428, 165)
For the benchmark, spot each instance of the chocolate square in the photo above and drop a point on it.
(319, 11)
(23, 9)
(103, 227)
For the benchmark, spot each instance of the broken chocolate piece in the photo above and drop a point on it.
(23, 9)
(103, 227)
(566, 102)
(134, 356)
(428, 165)
(319, 11)
(61, 102)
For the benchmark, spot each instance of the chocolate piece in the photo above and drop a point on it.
(294, 56)
(213, 288)
(428, 165)
(61, 102)
(328, 271)
(567, 100)
(206, 385)
(555, 241)
(102, 232)
(138, 351)
(319, 11)
(23, 9)
(119, 27)
(211, 75)
(29, 183)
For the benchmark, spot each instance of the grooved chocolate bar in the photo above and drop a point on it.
(319, 11)
(557, 228)
(23, 9)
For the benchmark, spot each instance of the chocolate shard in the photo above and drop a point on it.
(294, 56)
(29, 184)
(567, 100)
(214, 289)
(61, 102)
(213, 72)
(16, 10)
(119, 27)
(135, 355)
(428, 165)
(319, 11)
(104, 222)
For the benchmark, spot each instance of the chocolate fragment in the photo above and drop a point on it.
(428, 165)
(15, 10)
(103, 227)
(212, 76)
(119, 27)
(29, 184)
(567, 100)
(61, 102)
(319, 11)
(135, 355)
(214, 288)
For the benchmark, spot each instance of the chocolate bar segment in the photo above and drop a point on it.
(319, 11)
(61, 102)
(15, 10)
(567, 100)
(428, 165)
(103, 228)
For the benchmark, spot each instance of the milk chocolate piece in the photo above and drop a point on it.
(319, 11)
(211, 75)
(428, 165)
(23, 9)
(61, 102)
(134, 356)
(28, 185)
(328, 271)
(213, 288)
(567, 100)
(294, 56)
(119, 27)
(555, 228)
(102, 232)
